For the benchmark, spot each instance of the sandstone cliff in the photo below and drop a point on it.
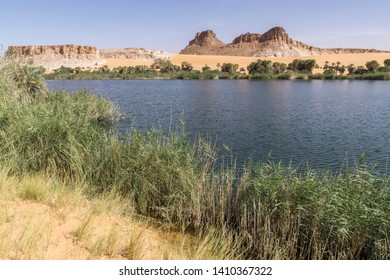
(273, 43)
(55, 56)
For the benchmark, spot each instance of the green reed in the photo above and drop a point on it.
(269, 210)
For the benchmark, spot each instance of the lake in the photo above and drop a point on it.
(323, 123)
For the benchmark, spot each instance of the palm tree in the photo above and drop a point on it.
(30, 79)
(326, 66)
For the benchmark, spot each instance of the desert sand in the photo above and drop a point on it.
(43, 219)
(198, 61)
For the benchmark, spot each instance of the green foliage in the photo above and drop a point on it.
(141, 69)
(285, 76)
(104, 69)
(31, 79)
(261, 76)
(302, 65)
(229, 68)
(265, 69)
(186, 66)
(317, 76)
(384, 69)
(260, 67)
(158, 63)
(166, 66)
(372, 66)
(279, 68)
(27, 78)
(351, 69)
(360, 70)
(387, 63)
(206, 68)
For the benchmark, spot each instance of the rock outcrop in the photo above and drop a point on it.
(205, 42)
(55, 56)
(134, 53)
(273, 43)
(247, 38)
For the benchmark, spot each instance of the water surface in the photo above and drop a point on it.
(324, 123)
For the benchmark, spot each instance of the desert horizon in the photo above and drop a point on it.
(199, 61)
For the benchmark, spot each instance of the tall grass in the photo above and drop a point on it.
(268, 211)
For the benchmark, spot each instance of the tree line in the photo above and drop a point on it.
(259, 69)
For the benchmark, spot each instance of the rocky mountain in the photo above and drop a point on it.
(273, 43)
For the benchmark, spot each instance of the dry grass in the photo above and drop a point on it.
(41, 218)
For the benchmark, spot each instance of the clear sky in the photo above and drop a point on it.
(169, 24)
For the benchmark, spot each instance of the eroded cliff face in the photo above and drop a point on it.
(273, 43)
(67, 51)
(55, 56)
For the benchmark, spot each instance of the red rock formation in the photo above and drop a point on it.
(247, 38)
(275, 42)
(207, 39)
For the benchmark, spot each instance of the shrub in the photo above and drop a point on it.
(284, 76)
(372, 66)
(186, 66)
(317, 76)
(302, 65)
(360, 70)
(229, 68)
(260, 67)
(206, 68)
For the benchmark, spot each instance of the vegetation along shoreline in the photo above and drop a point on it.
(298, 69)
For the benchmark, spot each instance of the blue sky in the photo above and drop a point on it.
(170, 24)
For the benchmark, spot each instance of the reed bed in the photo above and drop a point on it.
(266, 211)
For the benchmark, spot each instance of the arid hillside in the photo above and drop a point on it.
(273, 43)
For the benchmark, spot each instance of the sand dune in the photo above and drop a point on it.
(198, 61)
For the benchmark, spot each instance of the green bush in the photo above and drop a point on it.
(317, 76)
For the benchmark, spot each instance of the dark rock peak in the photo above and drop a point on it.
(277, 34)
(247, 38)
(206, 38)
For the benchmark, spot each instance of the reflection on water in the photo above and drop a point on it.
(320, 122)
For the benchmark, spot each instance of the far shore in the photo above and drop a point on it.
(199, 61)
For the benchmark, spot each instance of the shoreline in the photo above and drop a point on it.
(198, 61)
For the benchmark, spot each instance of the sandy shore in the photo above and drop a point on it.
(198, 61)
